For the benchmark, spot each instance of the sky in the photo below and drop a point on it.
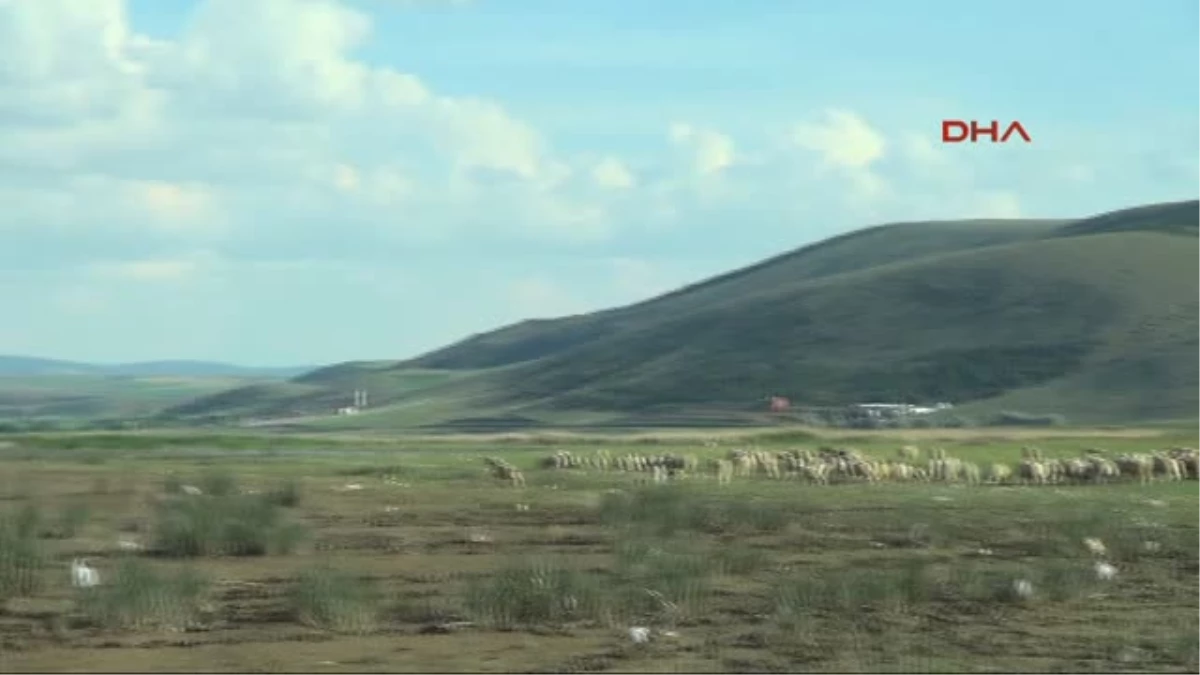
(283, 182)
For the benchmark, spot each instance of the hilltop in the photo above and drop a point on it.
(1093, 318)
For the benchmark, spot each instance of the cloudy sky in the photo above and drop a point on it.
(308, 181)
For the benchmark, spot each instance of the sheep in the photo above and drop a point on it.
(724, 469)
(1137, 467)
(83, 575)
(997, 473)
(909, 453)
(969, 473)
(1032, 471)
(1166, 467)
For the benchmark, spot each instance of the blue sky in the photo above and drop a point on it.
(309, 181)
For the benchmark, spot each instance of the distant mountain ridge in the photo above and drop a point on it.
(29, 366)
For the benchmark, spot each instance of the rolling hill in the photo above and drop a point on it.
(29, 366)
(40, 392)
(1093, 318)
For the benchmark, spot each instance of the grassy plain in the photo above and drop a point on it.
(80, 398)
(401, 554)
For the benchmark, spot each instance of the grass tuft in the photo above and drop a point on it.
(139, 598)
(237, 525)
(327, 598)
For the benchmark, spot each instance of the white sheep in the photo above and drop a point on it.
(83, 575)
(1105, 571)
(1095, 546)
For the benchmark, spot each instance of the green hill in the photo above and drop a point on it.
(1093, 318)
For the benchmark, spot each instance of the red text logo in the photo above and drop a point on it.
(957, 131)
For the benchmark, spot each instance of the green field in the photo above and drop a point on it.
(373, 553)
(80, 399)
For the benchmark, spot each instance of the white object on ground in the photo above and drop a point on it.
(83, 575)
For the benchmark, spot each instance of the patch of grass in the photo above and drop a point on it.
(737, 560)
(327, 598)
(666, 581)
(27, 524)
(376, 470)
(426, 609)
(535, 592)
(918, 582)
(70, 520)
(239, 525)
(669, 509)
(138, 598)
(218, 483)
(173, 484)
(286, 494)
(21, 561)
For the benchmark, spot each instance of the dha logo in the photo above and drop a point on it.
(957, 131)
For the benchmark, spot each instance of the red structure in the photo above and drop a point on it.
(779, 404)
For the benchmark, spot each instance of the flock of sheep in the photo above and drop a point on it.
(840, 465)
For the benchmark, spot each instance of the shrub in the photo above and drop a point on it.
(21, 562)
(535, 592)
(327, 598)
(286, 494)
(138, 597)
(173, 484)
(70, 520)
(223, 525)
(218, 483)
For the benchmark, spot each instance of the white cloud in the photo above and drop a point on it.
(610, 173)
(843, 140)
(848, 146)
(258, 121)
(173, 205)
(710, 151)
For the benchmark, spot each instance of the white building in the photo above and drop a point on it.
(877, 410)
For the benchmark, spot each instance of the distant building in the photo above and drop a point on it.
(880, 410)
(780, 403)
(360, 402)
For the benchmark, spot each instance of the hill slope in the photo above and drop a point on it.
(1095, 318)
(858, 250)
